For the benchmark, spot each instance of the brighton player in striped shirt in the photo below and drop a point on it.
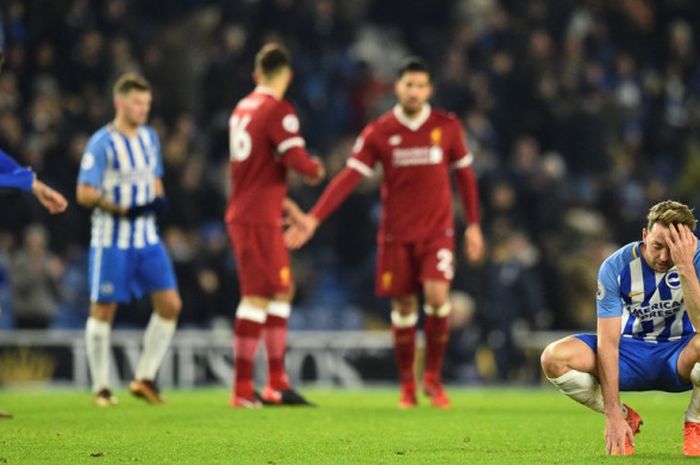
(648, 305)
(120, 179)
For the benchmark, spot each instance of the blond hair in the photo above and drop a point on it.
(128, 82)
(671, 212)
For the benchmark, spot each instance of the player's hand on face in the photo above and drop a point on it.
(682, 244)
(474, 243)
(616, 429)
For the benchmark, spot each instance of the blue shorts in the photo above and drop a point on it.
(646, 366)
(115, 275)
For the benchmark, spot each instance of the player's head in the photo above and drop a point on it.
(660, 217)
(413, 86)
(273, 64)
(132, 99)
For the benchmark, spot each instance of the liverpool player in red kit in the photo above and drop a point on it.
(417, 147)
(264, 141)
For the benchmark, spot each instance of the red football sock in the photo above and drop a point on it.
(247, 334)
(405, 349)
(276, 344)
(436, 336)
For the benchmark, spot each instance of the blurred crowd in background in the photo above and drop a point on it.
(580, 114)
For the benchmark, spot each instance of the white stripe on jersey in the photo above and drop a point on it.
(463, 162)
(357, 165)
(97, 268)
(289, 143)
(130, 185)
(637, 290)
(139, 238)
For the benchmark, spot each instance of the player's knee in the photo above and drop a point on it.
(406, 305)
(103, 312)
(436, 299)
(552, 360)
(695, 346)
(170, 308)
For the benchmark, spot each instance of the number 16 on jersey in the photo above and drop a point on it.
(240, 141)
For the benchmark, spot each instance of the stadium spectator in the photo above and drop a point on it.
(637, 59)
(416, 147)
(34, 276)
(265, 143)
(120, 179)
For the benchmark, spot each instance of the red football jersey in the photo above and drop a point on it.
(261, 129)
(416, 157)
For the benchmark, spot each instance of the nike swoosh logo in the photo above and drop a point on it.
(635, 294)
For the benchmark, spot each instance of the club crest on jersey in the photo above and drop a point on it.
(600, 292)
(290, 123)
(395, 139)
(88, 162)
(673, 280)
(436, 136)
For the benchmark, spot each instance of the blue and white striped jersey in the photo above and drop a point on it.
(124, 169)
(651, 304)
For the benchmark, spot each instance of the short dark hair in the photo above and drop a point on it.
(128, 82)
(271, 59)
(413, 64)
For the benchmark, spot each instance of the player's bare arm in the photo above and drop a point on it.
(294, 216)
(300, 231)
(474, 243)
(158, 187)
(616, 426)
(52, 200)
(682, 245)
(90, 197)
(320, 173)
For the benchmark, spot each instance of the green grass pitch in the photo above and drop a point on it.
(485, 426)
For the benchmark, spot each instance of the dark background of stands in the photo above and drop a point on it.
(581, 114)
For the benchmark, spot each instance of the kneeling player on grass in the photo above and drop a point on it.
(648, 308)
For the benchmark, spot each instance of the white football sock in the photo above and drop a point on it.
(97, 347)
(693, 412)
(156, 341)
(582, 387)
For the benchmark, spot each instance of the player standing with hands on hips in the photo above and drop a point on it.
(648, 304)
(121, 180)
(264, 142)
(417, 147)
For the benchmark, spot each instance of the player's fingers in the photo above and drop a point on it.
(674, 232)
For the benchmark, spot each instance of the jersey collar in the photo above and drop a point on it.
(415, 123)
(264, 90)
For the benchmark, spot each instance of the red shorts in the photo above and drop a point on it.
(262, 259)
(403, 268)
